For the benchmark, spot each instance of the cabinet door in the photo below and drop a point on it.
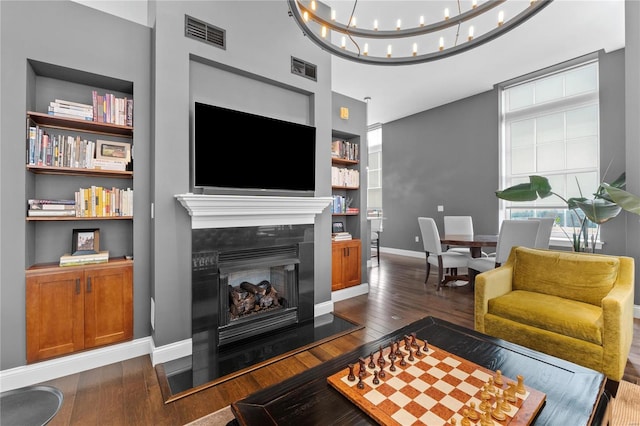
(351, 264)
(55, 314)
(337, 256)
(108, 305)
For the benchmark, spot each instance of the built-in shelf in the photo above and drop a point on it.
(344, 161)
(69, 218)
(52, 121)
(74, 171)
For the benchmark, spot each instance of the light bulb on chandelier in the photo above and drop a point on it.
(318, 21)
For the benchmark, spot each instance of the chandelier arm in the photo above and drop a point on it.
(409, 32)
(374, 60)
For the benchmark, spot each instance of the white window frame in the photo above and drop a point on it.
(558, 238)
(374, 149)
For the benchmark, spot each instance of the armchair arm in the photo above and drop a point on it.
(617, 312)
(489, 285)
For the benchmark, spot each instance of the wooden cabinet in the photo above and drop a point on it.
(346, 261)
(70, 309)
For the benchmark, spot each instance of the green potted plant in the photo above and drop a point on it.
(607, 202)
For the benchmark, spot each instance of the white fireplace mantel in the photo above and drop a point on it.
(225, 211)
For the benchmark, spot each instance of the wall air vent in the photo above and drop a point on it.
(202, 31)
(305, 69)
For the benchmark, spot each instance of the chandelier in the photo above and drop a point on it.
(421, 41)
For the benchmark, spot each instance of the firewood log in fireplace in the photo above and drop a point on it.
(258, 290)
(270, 299)
(241, 301)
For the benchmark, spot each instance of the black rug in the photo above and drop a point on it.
(208, 366)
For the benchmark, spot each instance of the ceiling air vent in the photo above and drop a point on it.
(199, 30)
(305, 69)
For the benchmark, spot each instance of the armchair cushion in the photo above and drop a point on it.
(578, 276)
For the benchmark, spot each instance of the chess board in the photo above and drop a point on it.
(433, 388)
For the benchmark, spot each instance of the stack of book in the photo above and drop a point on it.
(68, 259)
(68, 109)
(51, 208)
(341, 236)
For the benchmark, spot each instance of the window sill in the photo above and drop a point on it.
(565, 243)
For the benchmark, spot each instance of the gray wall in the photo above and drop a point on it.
(449, 156)
(445, 156)
(257, 54)
(66, 34)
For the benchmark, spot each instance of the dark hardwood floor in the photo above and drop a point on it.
(128, 392)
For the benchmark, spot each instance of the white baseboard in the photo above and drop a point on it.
(636, 311)
(31, 374)
(323, 308)
(171, 351)
(401, 252)
(349, 292)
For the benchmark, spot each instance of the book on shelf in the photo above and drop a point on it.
(341, 236)
(102, 164)
(352, 210)
(69, 259)
(50, 201)
(52, 206)
(51, 213)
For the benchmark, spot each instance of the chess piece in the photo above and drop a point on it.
(511, 393)
(490, 386)
(407, 343)
(382, 374)
(425, 349)
(398, 351)
(376, 381)
(351, 377)
(485, 419)
(418, 352)
(371, 363)
(360, 384)
(402, 361)
(498, 379)
(452, 421)
(465, 419)
(485, 405)
(392, 367)
(362, 370)
(504, 404)
(411, 358)
(520, 386)
(497, 412)
(473, 414)
(413, 340)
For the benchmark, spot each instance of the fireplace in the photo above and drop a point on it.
(248, 281)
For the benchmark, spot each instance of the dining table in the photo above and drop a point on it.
(475, 242)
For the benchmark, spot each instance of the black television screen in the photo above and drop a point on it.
(238, 150)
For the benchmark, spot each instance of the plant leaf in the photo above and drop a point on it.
(599, 211)
(572, 203)
(538, 186)
(626, 200)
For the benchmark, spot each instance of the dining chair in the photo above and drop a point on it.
(512, 233)
(376, 229)
(435, 255)
(544, 231)
(459, 225)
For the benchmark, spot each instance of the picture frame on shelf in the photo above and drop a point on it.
(337, 227)
(85, 241)
(113, 151)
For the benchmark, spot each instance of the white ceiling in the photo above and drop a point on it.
(563, 30)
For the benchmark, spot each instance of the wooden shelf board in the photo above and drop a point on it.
(74, 171)
(44, 119)
(68, 218)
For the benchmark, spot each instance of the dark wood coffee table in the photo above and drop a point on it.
(574, 395)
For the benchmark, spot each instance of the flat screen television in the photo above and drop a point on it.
(235, 150)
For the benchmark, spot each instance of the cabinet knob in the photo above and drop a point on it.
(89, 285)
(77, 285)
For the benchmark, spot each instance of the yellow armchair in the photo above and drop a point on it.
(575, 306)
